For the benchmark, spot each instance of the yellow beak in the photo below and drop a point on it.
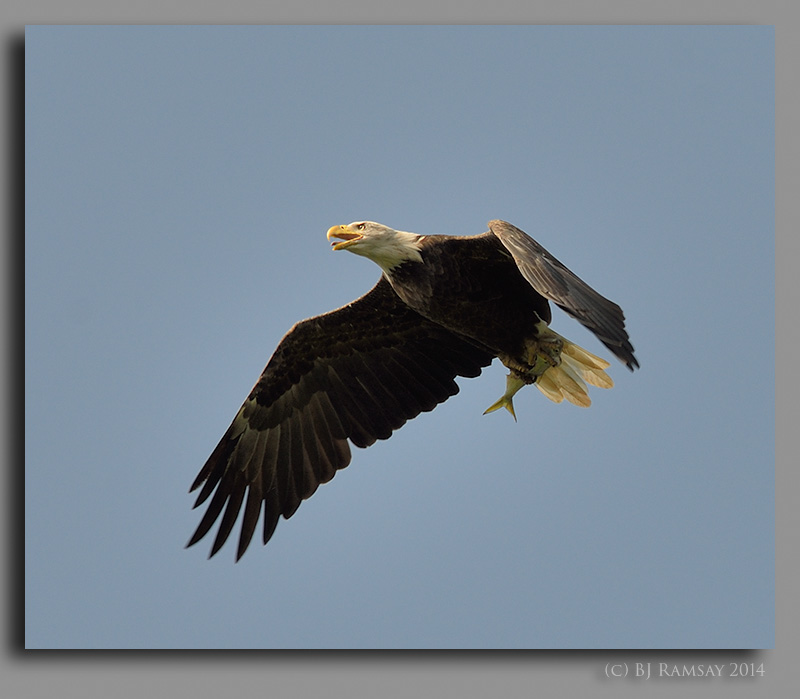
(345, 235)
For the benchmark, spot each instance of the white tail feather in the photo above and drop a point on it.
(568, 380)
(549, 387)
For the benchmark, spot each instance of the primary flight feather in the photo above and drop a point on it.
(444, 307)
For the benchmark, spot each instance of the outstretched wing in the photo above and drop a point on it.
(356, 373)
(570, 293)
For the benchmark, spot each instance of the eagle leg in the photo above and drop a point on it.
(545, 352)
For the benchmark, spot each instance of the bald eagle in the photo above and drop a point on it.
(444, 307)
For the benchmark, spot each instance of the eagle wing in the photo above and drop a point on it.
(570, 293)
(355, 373)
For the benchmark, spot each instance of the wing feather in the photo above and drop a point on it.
(231, 511)
(357, 374)
(421, 394)
(272, 513)
(252, 510)
(284, 481)
(555, 282)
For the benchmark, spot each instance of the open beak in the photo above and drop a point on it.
(345, 235)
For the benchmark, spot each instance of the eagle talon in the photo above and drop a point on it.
(545, 352)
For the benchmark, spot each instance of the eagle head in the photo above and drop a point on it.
(383, 245)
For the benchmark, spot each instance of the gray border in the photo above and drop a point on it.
(478, 674)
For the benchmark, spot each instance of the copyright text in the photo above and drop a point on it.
(650, 670)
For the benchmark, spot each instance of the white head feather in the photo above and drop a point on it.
(385, 246)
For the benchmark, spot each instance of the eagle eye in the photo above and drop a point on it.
(360, 227)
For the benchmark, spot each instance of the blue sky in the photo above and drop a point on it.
(179, 183)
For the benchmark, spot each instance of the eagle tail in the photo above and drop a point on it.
(568, 380)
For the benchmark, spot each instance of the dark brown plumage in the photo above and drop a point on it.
(445, 307)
